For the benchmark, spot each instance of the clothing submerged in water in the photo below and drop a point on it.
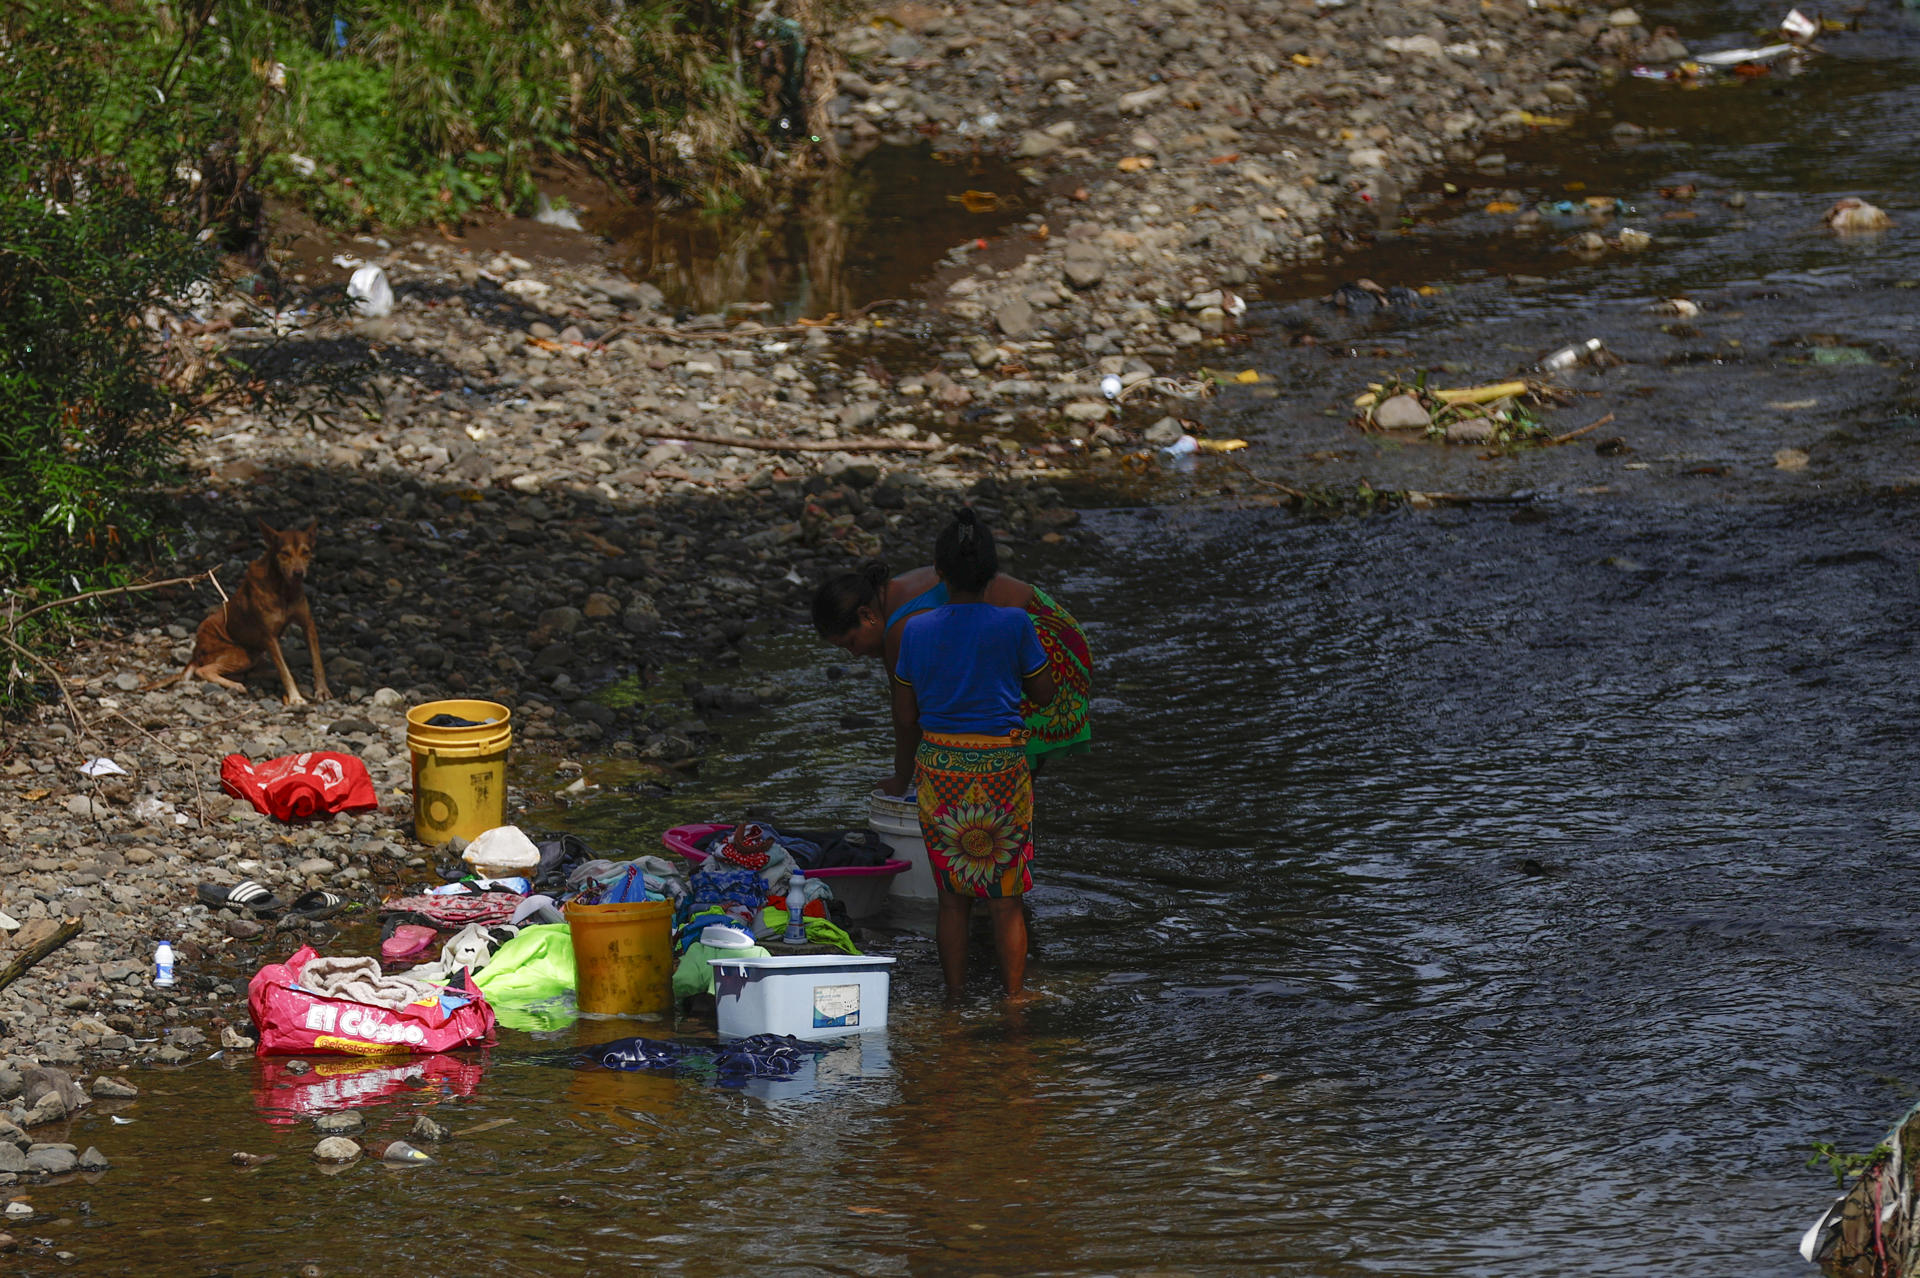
(455, 721)
(1062, 726)
(761, 1056)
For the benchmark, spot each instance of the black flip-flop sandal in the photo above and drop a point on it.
(244, 895)
(317, 904)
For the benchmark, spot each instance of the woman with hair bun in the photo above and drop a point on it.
(964, 669)
(865, 612)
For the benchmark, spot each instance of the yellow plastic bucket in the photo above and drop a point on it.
(623, 957)
(459, 774)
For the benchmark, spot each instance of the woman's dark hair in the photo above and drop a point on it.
(838, 601)
(964, 555)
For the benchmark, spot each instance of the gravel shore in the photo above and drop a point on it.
(518, 507)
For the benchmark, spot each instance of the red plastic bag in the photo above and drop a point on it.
(300, 785)
(296, 1022)
(284, 1097)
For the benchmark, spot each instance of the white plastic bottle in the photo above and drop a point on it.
(163, 963)
(1568, 356)
(796, 907)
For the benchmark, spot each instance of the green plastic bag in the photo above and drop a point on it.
(694, 975)
(819, 931)
(535, 965)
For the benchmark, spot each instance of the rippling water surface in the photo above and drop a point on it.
(1462, 896)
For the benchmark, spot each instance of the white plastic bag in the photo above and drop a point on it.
(502, 852)
(372, 295)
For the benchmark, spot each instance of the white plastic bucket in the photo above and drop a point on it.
(897, 822)
(807, 996)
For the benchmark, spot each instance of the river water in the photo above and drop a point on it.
(1486, 890)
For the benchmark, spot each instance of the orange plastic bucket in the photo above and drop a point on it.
(623, 958)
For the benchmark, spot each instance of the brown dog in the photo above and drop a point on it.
(271, 595)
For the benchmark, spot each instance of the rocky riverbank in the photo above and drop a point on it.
(495, 520)
(550, 483)
(1181, 149)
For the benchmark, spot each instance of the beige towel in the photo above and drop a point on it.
(359, 980)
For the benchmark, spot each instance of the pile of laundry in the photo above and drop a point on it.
(496, 931)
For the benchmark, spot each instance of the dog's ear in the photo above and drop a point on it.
(266, 529)
(312, 529)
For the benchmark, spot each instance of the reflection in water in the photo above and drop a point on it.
(287, 1092)
(872, 232)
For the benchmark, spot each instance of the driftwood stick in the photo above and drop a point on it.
(1575, 434)
(1291, 493)
(794, 445)
(830, 325)
(1477, 499)
(21, 963)
(14, 622)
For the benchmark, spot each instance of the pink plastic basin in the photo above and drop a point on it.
(861, 888)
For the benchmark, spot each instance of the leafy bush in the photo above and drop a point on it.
(406, 110)
(121, 162)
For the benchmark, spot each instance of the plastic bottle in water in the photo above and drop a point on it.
(163, 963)
(796, 907)
(1568, 356)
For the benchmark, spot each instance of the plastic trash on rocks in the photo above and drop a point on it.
(1798, 26)
(372, 295)
(1570, 356)
(547, 214)
(502, 852)
(1733, 57)
(297, 786)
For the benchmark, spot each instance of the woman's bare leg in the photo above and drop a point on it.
(1010, 942)
(951, 936)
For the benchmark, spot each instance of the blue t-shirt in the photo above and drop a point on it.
(965, 664)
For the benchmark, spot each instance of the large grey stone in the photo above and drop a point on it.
(51, 1160)
(1163, 432)
(1402, 412)
(1474, 430)
(48, 1109)
(344, 1123)
(1085, 265)
(1035, 145)
(1015, 319)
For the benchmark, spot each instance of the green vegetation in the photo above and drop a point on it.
(1844, 1165)
(408, 111)
(109, 175)
(139, 137)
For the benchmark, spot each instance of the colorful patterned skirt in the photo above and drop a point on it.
(976, 812)
(1061, 727)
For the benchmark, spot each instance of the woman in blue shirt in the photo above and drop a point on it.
(957, 688)
(864, 614)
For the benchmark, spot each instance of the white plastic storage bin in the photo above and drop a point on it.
(897, 822)
(806, 995)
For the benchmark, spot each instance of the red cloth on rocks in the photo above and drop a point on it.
(300, 785)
